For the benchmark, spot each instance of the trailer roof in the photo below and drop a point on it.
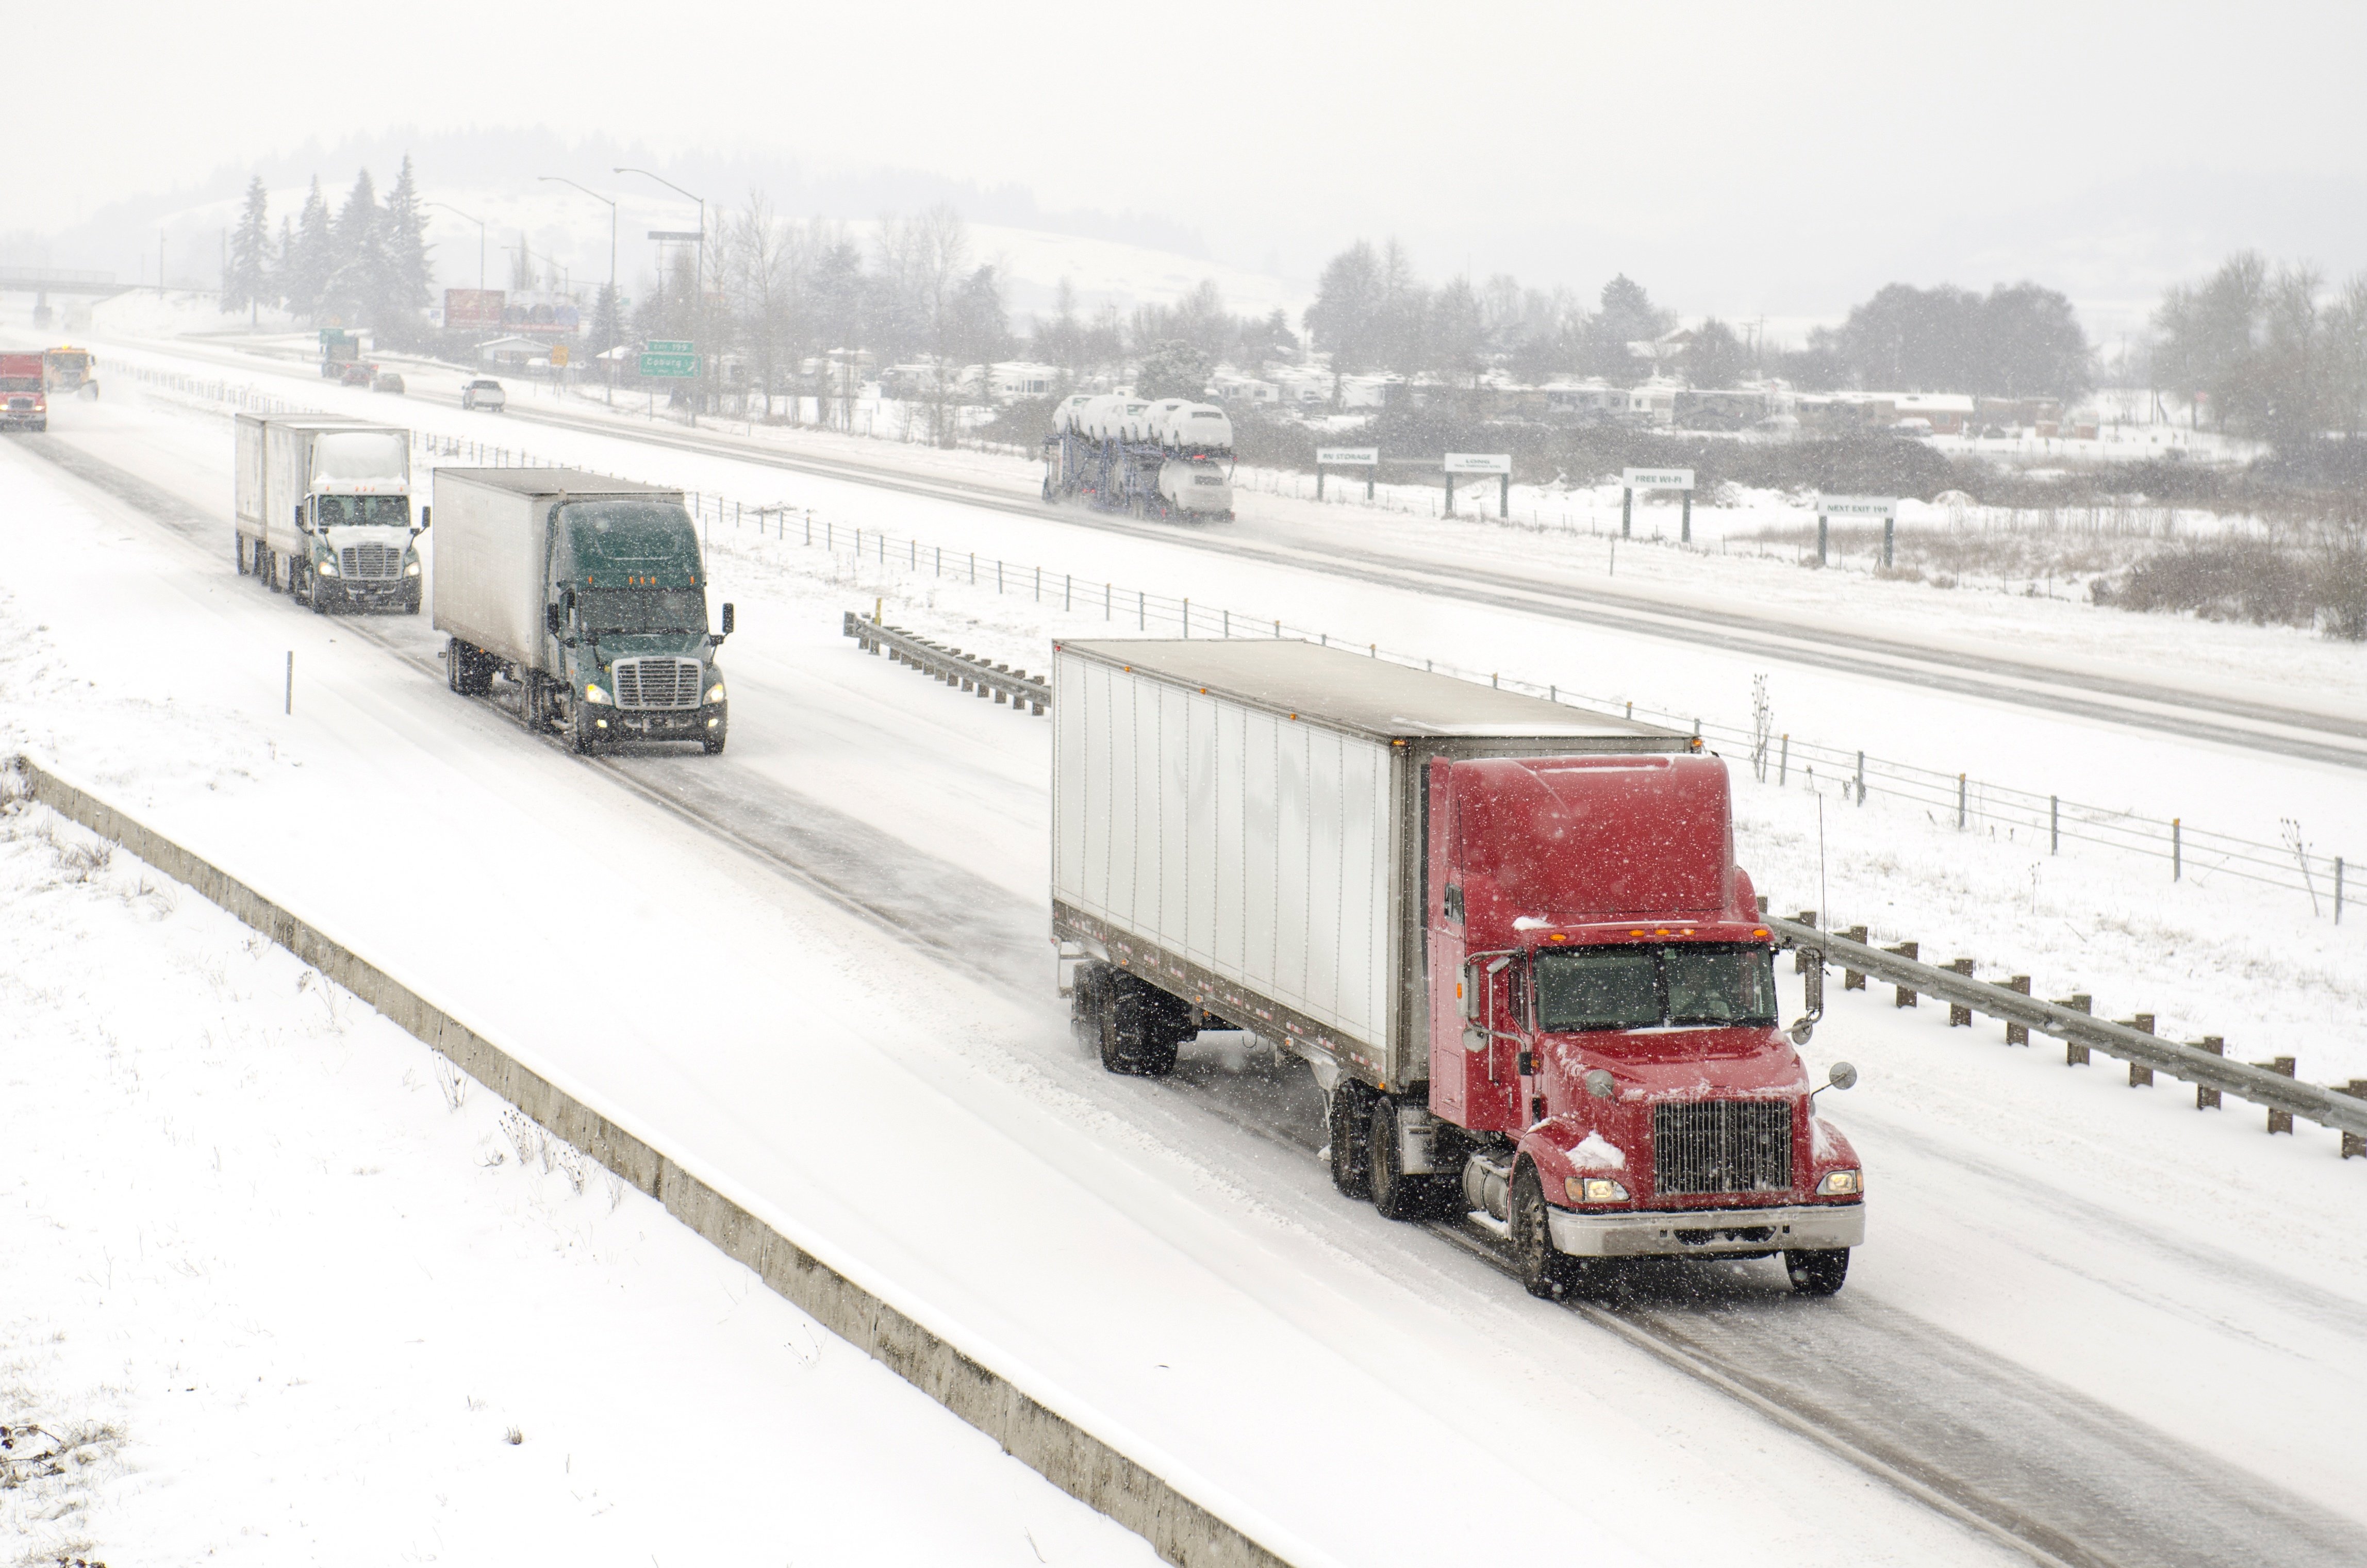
(557, 482)
(1354, 691)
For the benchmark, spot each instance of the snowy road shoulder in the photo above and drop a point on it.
(294, 1291)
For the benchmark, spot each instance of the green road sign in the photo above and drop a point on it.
(680, 366)
(668, 345)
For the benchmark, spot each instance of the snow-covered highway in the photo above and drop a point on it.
(881, 1068)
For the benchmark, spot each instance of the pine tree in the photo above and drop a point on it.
(408, 276)
(355, 281)
(309, 257)
(247, 278)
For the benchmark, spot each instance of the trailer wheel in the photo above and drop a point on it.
(238, 552)
(1544, 1272)
(1350, 1120)
(1397, 1195)
(266, 566)
(1138, 1035)
(1818, 1273)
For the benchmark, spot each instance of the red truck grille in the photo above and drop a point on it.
(1707, 1146)
(657, 683)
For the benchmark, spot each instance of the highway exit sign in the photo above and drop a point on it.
(681, 366)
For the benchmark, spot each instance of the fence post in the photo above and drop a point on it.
(1901, 997)
(1889, 540)
(1067, 590)
(2354, 1145)
(2338, 890)
(2177, 852)
(1800, 955)
(1861, 768)
(1627, 512)
(2074, 1054)
(1783, 760)
(1142, 609)
(2018, 1034)
(1187, 620)
(1960, 1016)
(1823, 533)
(2140, 1076)
(1853, 980)
(2053, 825)
(2206, 1098)
(2279, 1120)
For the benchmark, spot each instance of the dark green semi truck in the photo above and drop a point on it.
(586, 593)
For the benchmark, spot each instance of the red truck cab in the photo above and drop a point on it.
(24, 397)
(1605, 1050)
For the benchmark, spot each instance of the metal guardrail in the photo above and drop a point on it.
(951, 665)
(2273, 1087)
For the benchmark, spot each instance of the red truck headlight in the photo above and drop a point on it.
(1594, 1189)
(1840, 1183)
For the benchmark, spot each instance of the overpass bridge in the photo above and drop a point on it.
(59, 280)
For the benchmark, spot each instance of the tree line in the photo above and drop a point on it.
(365, 264)
(2269, 352)
(1373, 313)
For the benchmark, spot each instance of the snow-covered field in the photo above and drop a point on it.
(1158, 1258)
(283, 1288)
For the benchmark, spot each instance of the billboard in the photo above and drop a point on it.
(472, 309)
(542, 314)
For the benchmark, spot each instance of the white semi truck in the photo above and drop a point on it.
(323, 510)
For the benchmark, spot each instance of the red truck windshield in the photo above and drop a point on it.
(1707, 984)
(20, 383)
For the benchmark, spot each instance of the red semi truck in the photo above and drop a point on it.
(24, 400)
(1509, 938)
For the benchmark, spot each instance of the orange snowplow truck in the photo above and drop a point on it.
(24, 401)
(71, 372)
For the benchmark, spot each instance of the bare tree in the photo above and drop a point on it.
(760, 272)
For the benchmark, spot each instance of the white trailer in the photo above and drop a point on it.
(323, 507)
(1242, 821)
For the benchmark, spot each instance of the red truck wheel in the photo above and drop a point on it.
(1819, 1273)
(1544, 1272)
(1397, 1195)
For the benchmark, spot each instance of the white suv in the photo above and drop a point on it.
(483, 394)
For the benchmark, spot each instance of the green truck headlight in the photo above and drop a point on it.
(329, 566)
(714, 692)
(594, 694)
(1594, 1190)
(1840, 1184)
(411, 569)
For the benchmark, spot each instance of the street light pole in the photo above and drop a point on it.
(614, 303)
(480, 237)
(698, 285)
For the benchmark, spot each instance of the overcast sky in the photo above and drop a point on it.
(1751, 159)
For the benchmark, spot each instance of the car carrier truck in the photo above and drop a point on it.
(323, 509)
(1105, 451)
(586, 593)
(1510, 938)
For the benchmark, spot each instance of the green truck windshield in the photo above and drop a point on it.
(351, 511)
(644, 610)
(1709, 985)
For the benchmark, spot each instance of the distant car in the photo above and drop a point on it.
(484, 393)
(358, 375)
(387, 381)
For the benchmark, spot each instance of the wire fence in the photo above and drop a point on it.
(1955, 800)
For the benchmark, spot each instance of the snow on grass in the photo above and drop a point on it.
(283, 1287)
